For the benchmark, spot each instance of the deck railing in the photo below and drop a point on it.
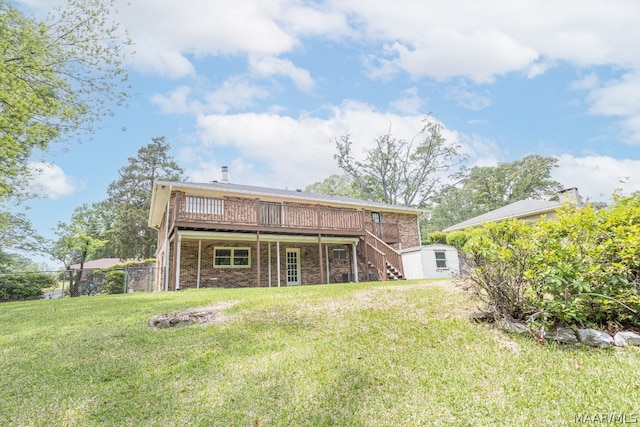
(265, 214)
(388, 232)
(390, 255)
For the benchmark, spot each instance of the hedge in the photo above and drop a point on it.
(21, 287)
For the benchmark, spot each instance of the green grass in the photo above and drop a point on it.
(371, 354)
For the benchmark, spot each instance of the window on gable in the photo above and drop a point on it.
(232, 257)
(441, 259)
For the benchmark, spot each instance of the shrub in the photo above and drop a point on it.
(114, 282)
(437, 237)
(499, 254)
(582, 269)
(20, 287)
(458, 239)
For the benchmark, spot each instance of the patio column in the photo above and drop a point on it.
(326, 258)
(199, 263)
(269, 262)
(354, 256)
(178, 243)
(258, 255)
(278, 260)
(320, 258)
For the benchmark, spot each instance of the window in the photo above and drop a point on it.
(375, 217)
(232, 257)
(441, 259)
(204, 205)
(339, 254)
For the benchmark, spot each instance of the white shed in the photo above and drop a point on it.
(430, 262)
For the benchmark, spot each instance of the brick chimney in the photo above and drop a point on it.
(570, 195)
(225, 174)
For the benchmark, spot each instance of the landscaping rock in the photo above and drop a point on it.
(480, 316)
(513, 327)
(562, 335)
(624, 338)
(595, 338)
(197, 316)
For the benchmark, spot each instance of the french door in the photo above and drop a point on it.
(293, 266)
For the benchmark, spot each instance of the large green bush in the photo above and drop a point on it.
(458, 239)
(114, 282)
(20, 287)
(581, 269)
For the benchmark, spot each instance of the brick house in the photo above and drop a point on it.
(221, 234)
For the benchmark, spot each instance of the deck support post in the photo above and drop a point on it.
(258, 256)
(320, 258)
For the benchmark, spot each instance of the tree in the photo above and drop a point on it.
(491, 187)
(16, 263)
(129, 198)
(335, 185)
(453, 206)
(529, 178)
(76, 242)
(403, 172)
(57, 78)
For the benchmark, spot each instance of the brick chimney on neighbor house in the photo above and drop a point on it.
(225, 174)
(570, 195)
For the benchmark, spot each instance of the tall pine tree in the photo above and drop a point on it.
(129, 198)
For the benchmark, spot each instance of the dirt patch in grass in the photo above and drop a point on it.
(199, 315)
(383, 297)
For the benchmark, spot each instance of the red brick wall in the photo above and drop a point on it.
(407, 225)
(211, 276)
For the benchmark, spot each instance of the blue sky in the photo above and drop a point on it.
(264, 86)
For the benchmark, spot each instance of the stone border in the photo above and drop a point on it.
(565, 335)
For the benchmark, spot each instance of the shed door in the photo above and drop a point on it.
(293, 266)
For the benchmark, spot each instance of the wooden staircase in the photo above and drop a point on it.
(385, 261)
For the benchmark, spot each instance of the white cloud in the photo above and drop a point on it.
(294, 152)
(597, 177)
(236, 93)
(176, 102)
(479, 56)
(271, 66)
(440, 39)
(165, 32)
(49, 181)
(467, 98)
(410, 103)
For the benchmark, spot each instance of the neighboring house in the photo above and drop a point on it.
(227, 235)
(430, 262)
(525, 210)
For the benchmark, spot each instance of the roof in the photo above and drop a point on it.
(162, 189)
(520, 209)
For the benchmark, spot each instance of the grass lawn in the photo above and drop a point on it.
(369, 354)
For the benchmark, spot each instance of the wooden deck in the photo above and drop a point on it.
(257, 215)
